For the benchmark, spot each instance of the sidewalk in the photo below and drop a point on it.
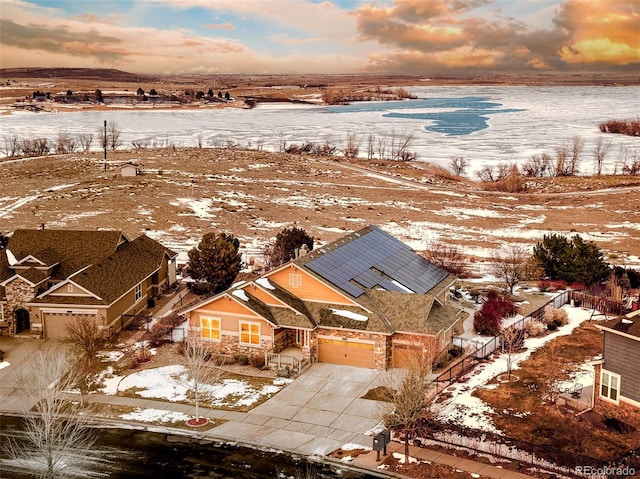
(368, 461)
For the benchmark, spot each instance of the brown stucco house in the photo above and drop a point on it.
(49, 277)
(618, 373)
(365, 300)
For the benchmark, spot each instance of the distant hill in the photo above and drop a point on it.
(73, 73)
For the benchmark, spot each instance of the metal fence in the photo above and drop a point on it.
(464, 365)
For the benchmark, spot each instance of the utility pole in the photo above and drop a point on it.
(104, 143)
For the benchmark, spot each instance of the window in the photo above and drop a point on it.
(295, 280)
(138, 291)
(609, 385)
(250, 333)
(210, 328)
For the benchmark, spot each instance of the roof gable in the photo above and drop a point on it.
(371, 258)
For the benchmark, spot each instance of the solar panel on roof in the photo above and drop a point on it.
(359, 259)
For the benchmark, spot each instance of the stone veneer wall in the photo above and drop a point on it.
(18, 293)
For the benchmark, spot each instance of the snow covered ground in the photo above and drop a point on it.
(464, 409)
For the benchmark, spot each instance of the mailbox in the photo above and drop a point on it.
(380, 442)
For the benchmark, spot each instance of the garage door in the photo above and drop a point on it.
(350, 353)
(55, 324)
(403, 354)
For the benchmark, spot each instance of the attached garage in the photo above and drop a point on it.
(55, 322)
(347, 352)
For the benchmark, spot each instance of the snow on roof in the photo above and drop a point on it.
(239, 293)
(11, 258)
(350, 314)
(264, 282)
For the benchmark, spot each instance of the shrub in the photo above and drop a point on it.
(535, 329)
(548, 285)
(555, 316)
(257, 361)
(241, 359)
(488, 320)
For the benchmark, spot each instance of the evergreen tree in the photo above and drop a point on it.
(573, 261)
(215, 262)
(285, 245)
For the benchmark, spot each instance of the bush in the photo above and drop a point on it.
(548, 285)
(555, 316)
(161, 330)
(257, 361)
(488, 320)
(535, 329)
(241, 359)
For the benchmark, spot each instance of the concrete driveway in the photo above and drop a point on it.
(17, 351)
(321, 411)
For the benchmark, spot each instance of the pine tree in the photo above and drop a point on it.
(215, 262)
(573, 261)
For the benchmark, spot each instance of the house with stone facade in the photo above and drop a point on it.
(49, 277)
(365, 300)
(617, 373)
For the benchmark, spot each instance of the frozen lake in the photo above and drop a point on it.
(486, 125)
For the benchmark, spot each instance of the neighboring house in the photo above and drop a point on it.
(129, 169)
(365, 300)
(618, 374)
(50, 277)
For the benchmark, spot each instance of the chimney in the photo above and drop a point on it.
(304, 249)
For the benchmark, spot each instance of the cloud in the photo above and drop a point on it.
(285, 39)
(601, 32)
(219, 26)
(461, 35)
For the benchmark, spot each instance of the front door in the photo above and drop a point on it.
(23, 322)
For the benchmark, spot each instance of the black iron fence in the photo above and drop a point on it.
(481, 352)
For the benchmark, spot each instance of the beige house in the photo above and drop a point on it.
(365, 300)
(49, 277)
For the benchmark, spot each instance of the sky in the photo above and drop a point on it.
(412, 37)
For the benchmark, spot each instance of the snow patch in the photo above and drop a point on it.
(350, 315)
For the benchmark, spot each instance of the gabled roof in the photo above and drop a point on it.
(105, 263)
(381, 305)
(371, 258)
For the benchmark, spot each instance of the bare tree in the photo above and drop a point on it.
(199, 368)
(600, 151)
(85, 140)
(400, 145)
(11, 146)
(86, 336)
(494, 173)
(65, 144)
(351, 146)
(631, 165)
(512, 341)
(370, 147)
(577, 145)
(406, 394)
(448, 257)
(112, 140)
(509, 266)
(57, 437)
(537, 166)
(458, 165)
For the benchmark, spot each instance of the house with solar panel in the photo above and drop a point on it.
(365, 300)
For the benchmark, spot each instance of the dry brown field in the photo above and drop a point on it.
(182, 194)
